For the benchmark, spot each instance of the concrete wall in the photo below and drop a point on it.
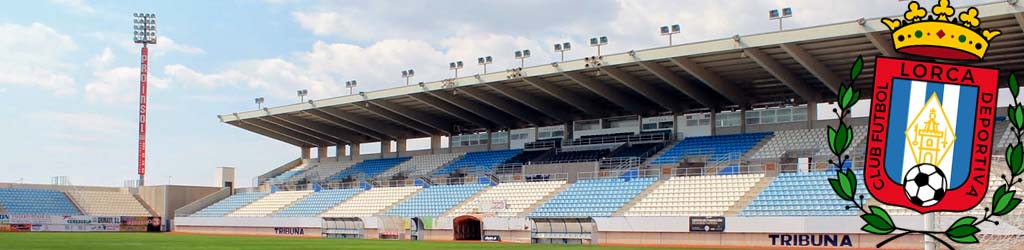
(165, 199)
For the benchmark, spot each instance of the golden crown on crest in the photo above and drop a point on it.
(941, 34)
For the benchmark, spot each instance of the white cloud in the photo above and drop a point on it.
(103, 59)
(166, 45)
(119, 85)
(83, 123)
(24, 62)
(75, 5)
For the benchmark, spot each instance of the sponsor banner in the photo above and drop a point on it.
(76, 228)
(4, 219)
(31, 219)
(21, 227)
(492, 238)
(707, 224)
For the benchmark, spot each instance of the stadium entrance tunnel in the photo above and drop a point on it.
(342, 228)
(563, 231)
(468, 227)
(416, 228)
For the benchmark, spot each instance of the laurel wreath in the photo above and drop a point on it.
(876, 218)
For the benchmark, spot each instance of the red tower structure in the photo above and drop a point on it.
(145, 34)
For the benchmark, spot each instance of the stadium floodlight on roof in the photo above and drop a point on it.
(408, 74)
(455, 66)
(598, 42)
(484, 61)
(522, 55)
(259, 102)
(350, 85)
(561, 48)
(775, 14)
(669, 31)
(302, 94)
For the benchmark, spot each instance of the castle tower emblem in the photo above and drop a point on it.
(930, 135)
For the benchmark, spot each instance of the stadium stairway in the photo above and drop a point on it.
(651, 158)
(543, 200)
(518, 197)
(650, 189)
(316, 203)
(750, 195)
(372, 202)
(228, 205)
(466, 202)
(270, 204)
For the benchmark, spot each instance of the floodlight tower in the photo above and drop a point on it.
(775, 15)
(455, 66)
(302, 94)
(484, 61)
(408, 74)
(351, 85)
(145, 34)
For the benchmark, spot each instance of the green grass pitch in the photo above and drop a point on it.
(150, 241)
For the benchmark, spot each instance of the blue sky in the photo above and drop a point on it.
(69, 71)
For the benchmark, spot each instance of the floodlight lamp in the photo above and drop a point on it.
(459, 64)
(675, 28)
(411, 72)
(664, 30)
(489, 59)
(773, 14)
(405, 73)
(480, 60)
(526, 53)
(604, 40)
(787, 12)
(558, 47)
(519, 54)
(566, 46)
(593, 41)
(451, 65)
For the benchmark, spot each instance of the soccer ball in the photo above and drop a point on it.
(925, 185)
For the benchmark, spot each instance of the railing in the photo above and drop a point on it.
(589, 147)
(620, 162)
(538, 145)
(278, 171)
(605, 174)
(204, 202)
(618, 138)
(507, 178)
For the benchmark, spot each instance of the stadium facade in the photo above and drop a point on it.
(714, 143)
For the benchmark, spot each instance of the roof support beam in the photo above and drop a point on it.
(607, 92)
(726, 89)
(268, 133)
(816, 68)
(341, 134)
(544, 106)
(780, 72)
(484, 111)
(452, 110)
(683, 85)
(286, 132)
(1020, 19)
(274, 119)
(347, 125)
(881, 44)
(657, 96)
(519, 111)
(440, 125)
(583, 104)
(401, 120)
(366, 124)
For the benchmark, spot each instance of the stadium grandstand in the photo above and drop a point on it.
(711, 144)
(626, 148)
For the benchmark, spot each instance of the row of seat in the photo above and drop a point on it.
(369, 168)
(435, 200)
(695, 195)
(270, 204)
(811, 141)
(317, 203)
(483, 161)
(36, 201)
(802, 194)
(718, 148)
(421, 165)
(371, 202)
(593, 198)
(106, 203)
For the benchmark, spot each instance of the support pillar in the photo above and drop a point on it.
(812, 114)
(339, 152)
(714, 121)
(435, 144)
(402, 147)
(354, 151)
(321, 153)
(385, 148)
(743, 121)
(304, 152)
(489, 139)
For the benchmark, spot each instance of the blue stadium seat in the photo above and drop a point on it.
(36, 201)
(593, 198)
(370, 168)
(802, 194)
(719, 147)
(229, 204)
(317, 203)
(435, 200)
(573, 156)
(483, 161)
